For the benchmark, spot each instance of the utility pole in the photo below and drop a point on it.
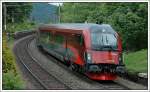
(12, 19)
(59, 13)
(5, 16)
(5, 13)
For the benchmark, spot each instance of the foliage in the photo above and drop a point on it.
(16, 19)
(15, 12)
(129, 19)
(20, 26)
(11, 78)
(20, 9)
(12, 81)
(8, 59)
(136, 61)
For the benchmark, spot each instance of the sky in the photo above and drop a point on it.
(57, 4)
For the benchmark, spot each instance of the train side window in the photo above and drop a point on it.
(59, 39)
(47, 37)
(80, 39)
(50, 36)
(43, 36)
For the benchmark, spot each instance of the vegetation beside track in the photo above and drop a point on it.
(16, 27)
(10, 76)
(137, 61)
(15, 21)
(20, 26)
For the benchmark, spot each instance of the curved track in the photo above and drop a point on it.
(46, 80)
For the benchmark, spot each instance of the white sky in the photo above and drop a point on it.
(57, 4)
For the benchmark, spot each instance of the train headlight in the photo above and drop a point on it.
(88, 56)
(120, 58)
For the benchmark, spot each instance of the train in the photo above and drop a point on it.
(92, 49)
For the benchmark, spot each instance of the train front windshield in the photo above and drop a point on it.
(103, 41)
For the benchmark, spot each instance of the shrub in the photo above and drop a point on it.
(20, 26)
(12, 81)
(8, 59)
(11, 78)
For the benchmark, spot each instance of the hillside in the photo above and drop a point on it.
(44, 13)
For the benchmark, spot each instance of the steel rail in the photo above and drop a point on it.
(34, 59)
(28, 40)
(20, 59)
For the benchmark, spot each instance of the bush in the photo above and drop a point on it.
(20, 26)
(12, 81)
(8, 59)
(10, 78)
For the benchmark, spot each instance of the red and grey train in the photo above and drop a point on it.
(95, 50)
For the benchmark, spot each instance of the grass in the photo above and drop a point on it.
(10, 42)
(136, 61)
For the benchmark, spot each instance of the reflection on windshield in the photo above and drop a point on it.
(101, 41)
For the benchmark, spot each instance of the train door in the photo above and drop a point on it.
(74, 48)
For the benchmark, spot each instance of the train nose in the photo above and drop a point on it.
(104, 57)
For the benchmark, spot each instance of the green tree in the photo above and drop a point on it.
(128, 19)
(16, 11)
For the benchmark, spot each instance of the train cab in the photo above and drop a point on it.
(103, 52)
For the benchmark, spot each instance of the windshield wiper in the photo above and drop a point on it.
(109, 47)
(96, 48)
(104, 48)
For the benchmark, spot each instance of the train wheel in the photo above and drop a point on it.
(74, 67)
(67, 62)
(81, 70)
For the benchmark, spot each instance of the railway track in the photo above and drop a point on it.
(52, 74)
(46, 81)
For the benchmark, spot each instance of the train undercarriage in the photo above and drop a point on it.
(100, 71)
